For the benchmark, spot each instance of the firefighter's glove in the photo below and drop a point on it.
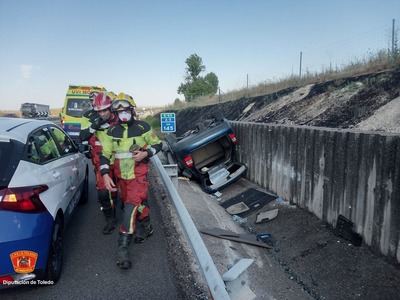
(96, 124)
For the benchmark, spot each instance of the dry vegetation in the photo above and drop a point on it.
(53, 112)
(10, 113)
(374, 63)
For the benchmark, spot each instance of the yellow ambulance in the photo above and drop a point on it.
(76, 103)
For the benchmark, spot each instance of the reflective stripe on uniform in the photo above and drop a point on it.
(97, 143)
(102, 167)
(141, 208)
(132, 222)
(123, 155)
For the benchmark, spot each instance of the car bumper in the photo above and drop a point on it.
(226, 181)
(24, 233)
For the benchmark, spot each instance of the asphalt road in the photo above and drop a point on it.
(90, 271)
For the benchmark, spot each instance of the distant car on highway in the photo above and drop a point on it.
(43, 177)
(207, 154)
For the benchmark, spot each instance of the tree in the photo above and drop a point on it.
(196, 85)
(177, 101)
(194, 66)
(212, 83)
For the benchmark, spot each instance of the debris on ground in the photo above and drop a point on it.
(235, 281)
(218, 194)
(239, 220)
(252, 198)
(238, 268)
(344, 229)
(266, 216)
(249, 239)
(237, 208)
(265, 238)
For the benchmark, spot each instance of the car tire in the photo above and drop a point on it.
(55, 257)
(85, 192)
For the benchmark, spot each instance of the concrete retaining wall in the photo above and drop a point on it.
(330, 172)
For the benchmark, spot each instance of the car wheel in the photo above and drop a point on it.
(85, 190)
(55, 258)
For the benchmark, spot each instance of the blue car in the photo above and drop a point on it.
(207, 154)
(43, 177)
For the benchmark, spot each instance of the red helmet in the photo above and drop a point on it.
(93, 95)
(101, 101)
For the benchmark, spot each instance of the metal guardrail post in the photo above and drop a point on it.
(213, 278)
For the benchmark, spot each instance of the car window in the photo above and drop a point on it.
(11, 152)
(77, 107)
(42, 143)
(63, 141)
(34, 155)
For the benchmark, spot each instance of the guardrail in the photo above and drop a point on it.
(213, 278)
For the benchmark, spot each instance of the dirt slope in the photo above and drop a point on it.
(386, 118)
(369, 102)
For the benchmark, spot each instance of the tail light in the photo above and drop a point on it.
(188, 160)
(23, 199)
(233, 138)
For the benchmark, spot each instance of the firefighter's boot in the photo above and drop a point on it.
(148, 229)
(123, 260)
(144, 230)
(110, 220)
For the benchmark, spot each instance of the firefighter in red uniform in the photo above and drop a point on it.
(133, 142)
(96, 134)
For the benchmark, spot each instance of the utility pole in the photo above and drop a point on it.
(219, 94)
(393, 37)
(301, 58)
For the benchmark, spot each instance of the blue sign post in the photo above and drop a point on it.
(168, 122)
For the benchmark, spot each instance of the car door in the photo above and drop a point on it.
(44, 165)
(73, 166)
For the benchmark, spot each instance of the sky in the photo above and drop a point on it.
(140, 47)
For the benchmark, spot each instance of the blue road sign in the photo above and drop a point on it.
(168, 123)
